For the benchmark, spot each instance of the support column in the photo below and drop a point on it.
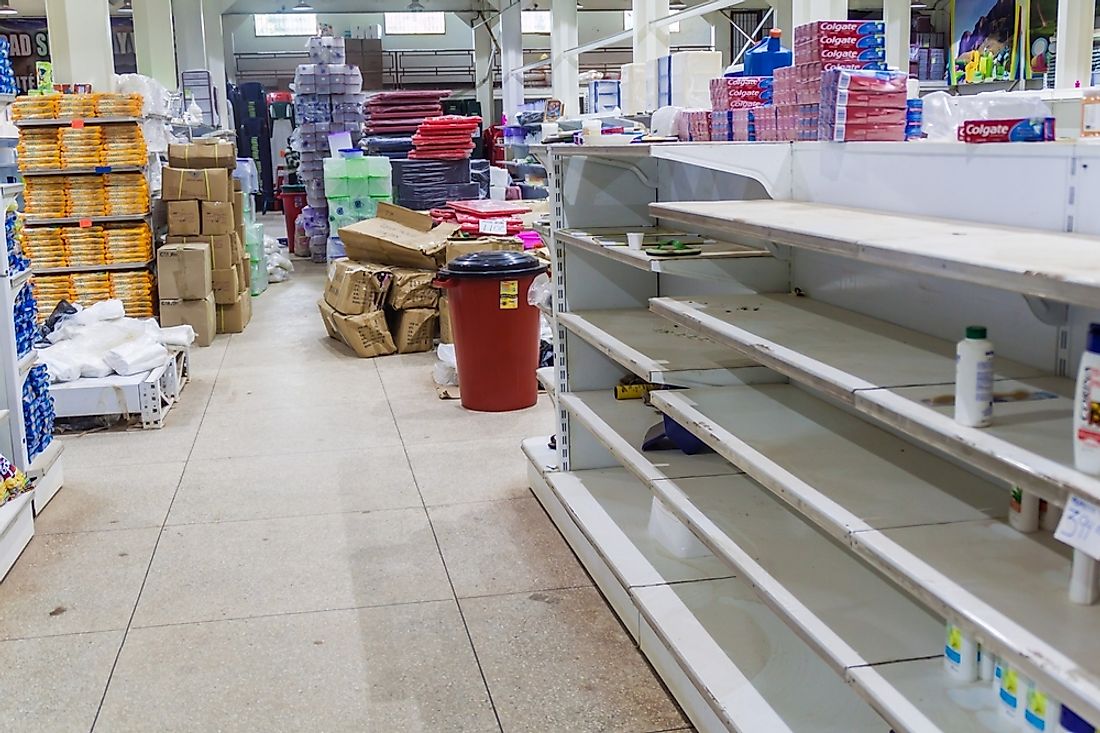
(1073, 43)
(154, 41)
(807, 11)
(215, 57)
(483, 73)
(649, 42)
(564, 68)
(80, 42)
(722, 33)
(897, 15)
(190, 38)
(511, 57)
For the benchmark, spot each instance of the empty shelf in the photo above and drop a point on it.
(611, 243)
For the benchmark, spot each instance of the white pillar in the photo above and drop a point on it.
(897, 15)
(1073, 43)
(564, 67)
(190, 38)
(650, 42)
(511, 57)
(782, 18)
(155, 42)
(722, 33)
(807, 11)
(483, 73)
(80, 42)
(215, 56)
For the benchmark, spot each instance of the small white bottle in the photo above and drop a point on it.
(1086, 412)
(1041, 711)
(1013, 694)
(1023, 511)
(985, 664)
(960, 654)
(974, 379)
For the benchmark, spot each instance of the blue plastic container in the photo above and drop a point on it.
(684, 440)
(767, 56)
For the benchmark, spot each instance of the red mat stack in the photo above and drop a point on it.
(483, 216)
(445, 138)
(395, 113)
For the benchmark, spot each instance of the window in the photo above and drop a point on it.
(536, 21)
(628, 22)
(286, 24)
(415, 24)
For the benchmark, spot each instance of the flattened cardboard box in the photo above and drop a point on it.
(184, 219)
(217, 218)
(202, 154)
(183, 271)
(413, 330)
(183, 184)
(234, 318)
(397, 236)
(357, 287)
(198, 314)
(446, 334)
(412, 289)
(366, 334)
(227, 286)
(458, 247)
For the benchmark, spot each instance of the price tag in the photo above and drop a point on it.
(493, 226)
(77, 124)
(1080, 526)
(84, 223)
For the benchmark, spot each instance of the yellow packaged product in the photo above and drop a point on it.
(35, 108)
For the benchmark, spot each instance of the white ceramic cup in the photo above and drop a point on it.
(634, 240)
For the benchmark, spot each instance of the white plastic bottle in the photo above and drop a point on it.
(1041, 711)
(1023, 511)
(960, 654)
(1013, 694)
(1086, 413)
(974, 379)
(985, 664)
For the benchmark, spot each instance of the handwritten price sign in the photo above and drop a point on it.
(1080, 526)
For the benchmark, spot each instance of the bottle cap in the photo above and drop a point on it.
(775, 33)
(975, 332)
(1073, 722)
(1093, 342)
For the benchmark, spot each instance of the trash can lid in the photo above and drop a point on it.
(500, 263)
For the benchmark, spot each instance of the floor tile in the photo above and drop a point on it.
(55, 684)
(471, 470)
(294, 484)
(255, 388)
(441, 421)
(297, 428)
(70, 583)
(205, 572)
(559, 661)
(115, 497)
(170, 444)
(400, 668)
(504, 547)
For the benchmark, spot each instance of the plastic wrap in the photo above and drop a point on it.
(944, 114)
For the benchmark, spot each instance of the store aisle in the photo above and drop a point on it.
(313, 543)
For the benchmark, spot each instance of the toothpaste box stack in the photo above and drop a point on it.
(743, 124)
(836, 44)
(721, 125)
(740, 92)
(766, 124)
(695, 125)
(862, 105)
(795, 120)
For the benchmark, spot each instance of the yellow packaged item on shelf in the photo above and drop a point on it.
(112, 104)
(76, 106)
(35, 108)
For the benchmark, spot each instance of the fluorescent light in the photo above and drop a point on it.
(7, 9)
(127, 8)
(303, 7)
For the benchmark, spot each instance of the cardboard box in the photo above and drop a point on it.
(446, 334)
(217, 218)
(482, 244)
(203, 154)
(237, 185)
(227, 286)
(209, 184)
(198, 314)
(243, 274)
(357, 287)
(222, 250)
(238, 209)
(184, 219)
(397, 236)
(366, 334)
(412, 289)
(183, 271)
(233, 318)
(413, 330)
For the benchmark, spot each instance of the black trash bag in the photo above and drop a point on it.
(62, 309)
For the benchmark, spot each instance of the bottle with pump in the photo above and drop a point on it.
(974, 379)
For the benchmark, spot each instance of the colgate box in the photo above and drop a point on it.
(857, 132)
(869, 116)
(806, 54)
(841, 42)
(835, 28)
(730, 92)
(1018, 130)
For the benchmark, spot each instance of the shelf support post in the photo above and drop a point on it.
(511, 57)
(483, 71)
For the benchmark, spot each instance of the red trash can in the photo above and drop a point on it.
(293, 199)
(496, 330)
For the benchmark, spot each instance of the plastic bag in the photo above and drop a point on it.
(177, 336)
(541, 291)
(944, 114)
(134, 357)
(445, 372)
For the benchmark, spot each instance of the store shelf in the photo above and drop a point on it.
(1061, 267)
(549, 381)
(10, 190)
(902, 378)
(16, 530)
(67, 122)
(20, 279)
(112, 267)
(75, 220)
(659, 351)
(928, 525)
(611, 243)
(26, 363)
(97, 171)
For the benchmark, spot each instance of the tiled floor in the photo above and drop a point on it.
(314, 542)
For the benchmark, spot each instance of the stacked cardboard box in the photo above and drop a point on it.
(206, 207)
(186, 289)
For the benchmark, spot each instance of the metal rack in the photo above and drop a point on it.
(843, 517)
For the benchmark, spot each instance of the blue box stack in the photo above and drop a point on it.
(38, 414)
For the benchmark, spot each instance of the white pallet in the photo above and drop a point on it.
(149, 395)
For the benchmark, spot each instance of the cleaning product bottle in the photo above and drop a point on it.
(1086, 414)
(974, 379)
(960, 654)
(1012, 693)
(1041, 711)
(768, 55)
(1023, 511)
(1071, 722)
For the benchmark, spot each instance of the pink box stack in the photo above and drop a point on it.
(796, 120)
(695, 125)
(863, 105)
(740, 92)
(835, 44)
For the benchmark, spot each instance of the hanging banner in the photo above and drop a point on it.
(985, 40)
(30, 42)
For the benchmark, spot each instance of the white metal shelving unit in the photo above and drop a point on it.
(844, 516)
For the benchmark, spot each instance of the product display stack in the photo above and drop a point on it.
(430, 184)
(87, 200)
(328, 101)
(204, 271)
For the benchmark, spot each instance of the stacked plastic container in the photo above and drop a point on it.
(328, 100)
(355, 184)
(604, 96)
